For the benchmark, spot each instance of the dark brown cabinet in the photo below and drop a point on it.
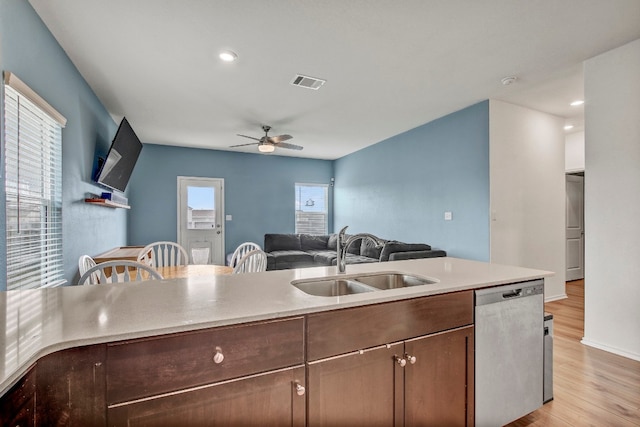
(18, 406)
(245, 375)
(400, 363)
(272, 399)
(70, 390)
(356, 388)
(439, 386)
(424, 380)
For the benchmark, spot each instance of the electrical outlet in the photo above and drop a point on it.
(228, 217)
(448, 216)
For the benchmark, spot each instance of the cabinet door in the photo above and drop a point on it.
(17, 407)
(439, 385)
(357, 388)
(270, 399)
(70, 387)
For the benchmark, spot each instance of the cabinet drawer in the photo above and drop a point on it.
(263, 400)
(351, 329)
(151, 366)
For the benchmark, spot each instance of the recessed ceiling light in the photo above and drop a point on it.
(228, 56)
(568, 127)
(576, 103)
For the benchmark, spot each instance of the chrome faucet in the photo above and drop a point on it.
(342, 246)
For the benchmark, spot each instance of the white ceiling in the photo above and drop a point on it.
(390, 65)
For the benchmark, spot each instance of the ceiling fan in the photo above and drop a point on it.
(267, 144)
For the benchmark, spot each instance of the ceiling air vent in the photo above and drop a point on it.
(307, 82)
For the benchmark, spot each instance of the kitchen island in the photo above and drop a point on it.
(134, 348)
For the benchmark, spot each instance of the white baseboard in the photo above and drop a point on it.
(610, 349)
(555, 297)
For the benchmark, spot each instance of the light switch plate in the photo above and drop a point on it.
(228, 217)
(448, 216)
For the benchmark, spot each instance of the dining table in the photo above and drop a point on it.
(193, 270)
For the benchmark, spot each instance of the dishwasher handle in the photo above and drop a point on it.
(512, 294)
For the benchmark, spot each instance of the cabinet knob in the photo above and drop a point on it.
(218, 357)
(411, 359)
(401, 361)
(300, 390)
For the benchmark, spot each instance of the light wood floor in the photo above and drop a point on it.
(591, 387)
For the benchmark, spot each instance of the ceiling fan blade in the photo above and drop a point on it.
(250, 137)
(280, 138)
(289, 146)
(244, 145)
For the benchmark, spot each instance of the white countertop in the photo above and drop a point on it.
(39, 322)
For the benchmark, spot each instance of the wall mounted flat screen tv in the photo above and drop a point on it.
(121, 158)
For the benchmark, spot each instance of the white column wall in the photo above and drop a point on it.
(574, 152)
(527, 185)
(612, 201)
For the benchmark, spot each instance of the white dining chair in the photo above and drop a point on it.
(241, 251)
(163, 254)
(85, 262)
(254, 261)
(118, 272)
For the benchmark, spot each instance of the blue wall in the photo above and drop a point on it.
(400, 188)
(28, 50)
(259, 191)
(397, 189)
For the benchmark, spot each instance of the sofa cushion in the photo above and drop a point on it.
(369, 249)
(332, 243)
(291, 259)
(354, 247)
(355, 259)
(281, 242)
(434, 253)
(395, 246)
(326, 257)
(310, 242)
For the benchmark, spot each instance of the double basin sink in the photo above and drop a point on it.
(349, 285)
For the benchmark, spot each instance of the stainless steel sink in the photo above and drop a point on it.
(331, 287)
(357, 284)
(392, 280)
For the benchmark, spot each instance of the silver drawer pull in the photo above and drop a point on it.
(218, 357)
(401, 361)
(411, 359)
(300, 390)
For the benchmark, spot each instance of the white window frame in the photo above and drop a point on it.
(300, 220)
(32, 135)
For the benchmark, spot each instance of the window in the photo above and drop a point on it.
(33, 188)
(312, 208)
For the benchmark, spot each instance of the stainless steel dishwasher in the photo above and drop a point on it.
(509, 340)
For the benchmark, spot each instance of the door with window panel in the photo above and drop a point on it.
(200, 214)
(312, 213)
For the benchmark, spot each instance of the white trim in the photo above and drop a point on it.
(556, 298)
(21, 87)
(609, 349)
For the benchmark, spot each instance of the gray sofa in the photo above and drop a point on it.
(286, 251)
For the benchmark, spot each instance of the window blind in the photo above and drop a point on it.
(33, 190)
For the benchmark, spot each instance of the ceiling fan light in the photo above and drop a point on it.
(228, 56)
(266, 148)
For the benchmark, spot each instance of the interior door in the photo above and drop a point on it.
(575, 227)
(200, 213)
